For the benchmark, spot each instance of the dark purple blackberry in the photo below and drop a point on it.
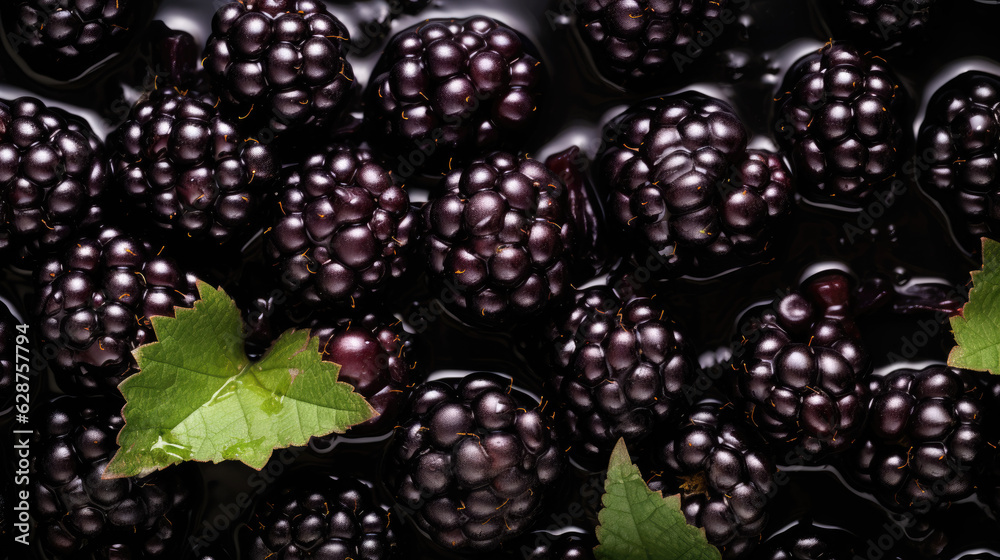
(473, 462)
(94, 304)
(621, 367)
(926, 440)
(8, 337)
(79, 515)
(280, 63)
(53, 176)
(185, 168)
(639, 42)
(565, 546)
(330, 518)
(448, 89)
(806, 541)
(840, 115)
(960, 143)
(888, 22)
(681, 182)
(342, 229)
(499, 239)
(801, 369)
(377, 358)
(724, 476)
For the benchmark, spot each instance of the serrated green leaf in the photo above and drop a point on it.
(198, 397)
(977, 328)
(637, 523)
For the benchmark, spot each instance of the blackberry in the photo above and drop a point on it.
(565, 546)
(638, 42)
(81, 516)
(53, 176)
(681, 182)
(806, 541)
(960, 142)
(499, 239)
(185, 167)
(95, 301)
(342, 228)
(621, 367)
(801, 369)
(841, 117)
(926, 440)
(887, 22)
(448, 89)
(8, 336)
(474, 460)
(280, 63)
(723, 473)
(325, 518)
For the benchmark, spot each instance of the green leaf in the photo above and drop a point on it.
(639, 524)
(198, 397)
(977, 328)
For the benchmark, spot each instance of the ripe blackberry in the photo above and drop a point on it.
(621, 367)
(565, 546)
(448, 89)
(682, 183)
(499, 239)
(473, 461)
(724, 476)
(801, 369)
(328, 518)
(887, 22)
(53, 176)
(377, 358)
(95, 301)
(8, 335)
(635, 42)
(280, 63)
(806, 541)
(926, 440)
(841, 115)
(960, 141)
(186, 168)
(81, 516)
(342, 228)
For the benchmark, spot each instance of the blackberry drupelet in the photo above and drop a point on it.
(328, 518)
(888, 22)
(960, 141)
(499, 239)
(8, 336)
(53, 177)
(802, 369)
(806, 541)
(682, 184)
(723, 473)
(342, 229)
(95, 301)
(474, 461)
(81, 516)
(186, 168)
(565, 546)
(841, 115)
(621, 369)
(448, 90)
(280, 63)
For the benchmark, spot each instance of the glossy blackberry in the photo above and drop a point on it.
(680, 181)
(959, 141)
(565, 546)
(473, 462)
(8, 337)
(329, 518)
(802, 368)
(926, 439)
(888, 22)
(499, 239)
(342, 228)
(806, 541)
(79, 515)
(377, 357)
(621, 368)
(280, 63)
(53, 176)
(723, 473)
(639, 42)
(448, 90)
(840, 115)
(186, 168)
(94, 304)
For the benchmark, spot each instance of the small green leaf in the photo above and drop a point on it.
(639, 524)
(977, 328)
(198, 397)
